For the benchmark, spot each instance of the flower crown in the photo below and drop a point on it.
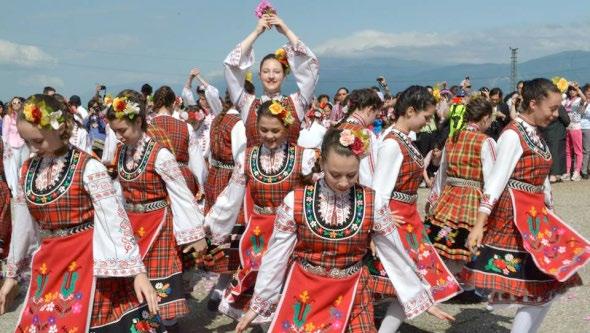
(281, 56)
(40, 114)
(279, 110)
(357, 141)
(125, 108)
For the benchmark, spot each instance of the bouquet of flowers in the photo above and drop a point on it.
(264, 7)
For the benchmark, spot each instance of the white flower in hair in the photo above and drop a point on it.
(54, 118)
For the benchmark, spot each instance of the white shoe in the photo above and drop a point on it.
(565, 177)
(576, 177)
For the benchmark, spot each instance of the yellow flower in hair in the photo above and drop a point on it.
(281, 56)
(249, 76)
(561, 83)
(276, 108)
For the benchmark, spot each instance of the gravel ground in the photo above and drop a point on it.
(571, 313)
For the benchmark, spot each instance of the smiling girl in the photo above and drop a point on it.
(294, 57)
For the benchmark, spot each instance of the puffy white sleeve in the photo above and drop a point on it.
(305, 68)
(236, 64)
(186, 216)
(110, 146)
(271, 274)
(238, 140)
(439, 180)
(548, 193)
(10, 169)
(196, 161)
(509, 152)
(312, 136)
(212, 96)
(308, 161)
(24, 237)
(114, 247)
(386, 171)
(412, 292)
(187, 96)
(222, 216)
(488, 157)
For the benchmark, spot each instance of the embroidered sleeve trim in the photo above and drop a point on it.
(118, 267)
(100, 186)
(384, 223)
(235, 55)
(14, 268)
(190, 235)
(418, 304)
(262, 307)
(284, 221)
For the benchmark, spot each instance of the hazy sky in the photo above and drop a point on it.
(72, 45)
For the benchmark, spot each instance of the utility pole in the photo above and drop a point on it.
(513, 62)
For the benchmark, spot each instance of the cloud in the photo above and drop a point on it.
(112, 42)
(481, 46)
(23, 55)
(40, 81)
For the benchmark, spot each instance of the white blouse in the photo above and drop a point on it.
(387, 169)
(115, 250)
(110, 146)
(211, 95)
(304, 66)
(509, 152)
(411, 290)
(311, 137)
(81, 139)
(187, 218)
(487, 157)
(224, 212)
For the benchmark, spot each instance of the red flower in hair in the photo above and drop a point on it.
(37, 114)
(357, 146)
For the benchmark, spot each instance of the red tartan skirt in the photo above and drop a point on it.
(217, 181)
(161, 259)
(521, 282)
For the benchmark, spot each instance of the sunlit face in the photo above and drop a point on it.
(371, 114)
(544, 111)
(341, 95)
(272, 76)
(418, 119)
(587, 94)
(17, 104)
(572, 93)
(340, 172)
(128, 132)
(271, 131)
(203, 102)
(44, 142)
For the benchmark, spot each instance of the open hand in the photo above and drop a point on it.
(245, 321)
(7, 287)
(440, 314)
(145, 291)
(474, 239)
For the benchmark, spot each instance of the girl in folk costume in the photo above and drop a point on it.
(467, 159)
(526, 255)
(398, 174)
(183, 142)
(363, 107)
(162, 210)
(268, 171)
(67, 203)
(227, 147)
(209, 103)
(326, 227)
(274, 68)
